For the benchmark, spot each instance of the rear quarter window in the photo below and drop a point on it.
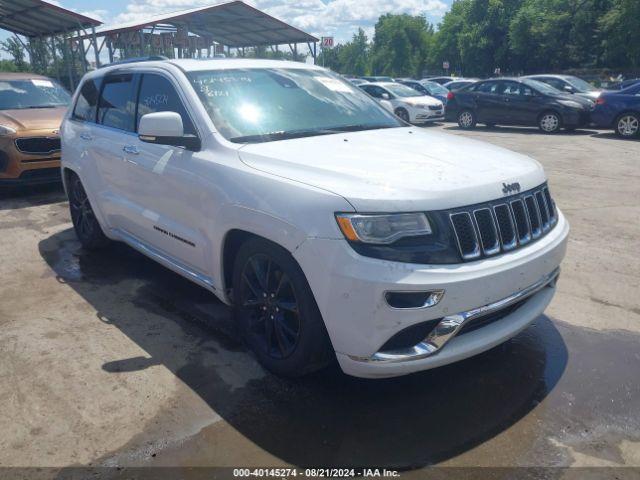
(87, 103)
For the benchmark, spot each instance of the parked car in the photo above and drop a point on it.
(619, 110)
(31, 110)
(440, 80)
(623, 84)
(569, 84)
(357, 81)
(459, 83)
(517, 101)
(333, 229)
(426, 87)
(377, 79)
(405, 102)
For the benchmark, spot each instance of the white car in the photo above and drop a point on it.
(405, 102)
(334, 230)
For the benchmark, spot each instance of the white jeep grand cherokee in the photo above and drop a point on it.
(332, 227)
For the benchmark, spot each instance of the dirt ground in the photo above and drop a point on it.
(110, 360)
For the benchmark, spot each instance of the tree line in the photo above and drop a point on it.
(516, 36)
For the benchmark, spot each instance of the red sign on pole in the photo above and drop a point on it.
(327, 42)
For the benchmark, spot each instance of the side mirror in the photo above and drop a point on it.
(165, 128)
(568, 88)
(387, 104)
(385, 96)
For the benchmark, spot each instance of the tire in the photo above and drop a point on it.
(550, 122)
(467, 119)
(403, 114)
(85, 223)
(275, 311)
(628, 125)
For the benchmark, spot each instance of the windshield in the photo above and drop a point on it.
(435, 88)
(580, 84)
(400, 90)
(541, 87)
(32, 93)
(264, 104)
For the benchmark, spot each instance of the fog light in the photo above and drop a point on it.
(405, 300)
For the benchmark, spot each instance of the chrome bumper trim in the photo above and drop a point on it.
(450, 325)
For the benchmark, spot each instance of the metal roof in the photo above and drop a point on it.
(34, 18)
(234, 23)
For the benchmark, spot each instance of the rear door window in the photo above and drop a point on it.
(157, 94)
(487, 87)
(511, 88)
(117, 104)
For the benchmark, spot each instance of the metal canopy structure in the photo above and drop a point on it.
(232, 24)
(35, 18)
(46, 30)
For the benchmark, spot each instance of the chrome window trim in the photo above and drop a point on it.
(450, 325)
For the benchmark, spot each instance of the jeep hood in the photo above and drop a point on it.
(398, 169)
(25, 119)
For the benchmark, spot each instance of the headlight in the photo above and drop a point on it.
(570, 103)
(6, 131)
(382, 229)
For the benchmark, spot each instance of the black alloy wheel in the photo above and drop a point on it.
(84, 220)
(270, 304)
(276, 312)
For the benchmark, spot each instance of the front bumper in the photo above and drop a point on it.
(424, 115)
(350, 293)
(576, 118)
(20, 168)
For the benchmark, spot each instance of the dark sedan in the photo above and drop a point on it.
(459, 83)
(569, 84)
(517, 101)
(619, 110)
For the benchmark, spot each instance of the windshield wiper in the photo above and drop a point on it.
(285, 135)
(356, 127)
(280, 135)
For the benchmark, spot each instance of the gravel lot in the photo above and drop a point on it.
(110, 360)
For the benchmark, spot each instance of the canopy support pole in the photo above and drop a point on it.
(95, 46)
(55, 57)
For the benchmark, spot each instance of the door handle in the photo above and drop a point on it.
(131, 149)
(86, 136)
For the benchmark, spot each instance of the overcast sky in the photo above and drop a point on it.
(339, 18)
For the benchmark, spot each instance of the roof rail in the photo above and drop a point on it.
(151, 58)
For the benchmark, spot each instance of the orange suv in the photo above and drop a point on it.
(31, 110)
